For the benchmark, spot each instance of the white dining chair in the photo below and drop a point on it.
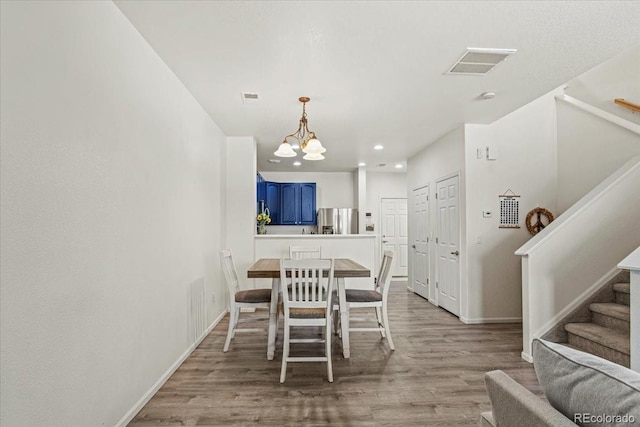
(377, 298)
(306, 287)
(252, 298)
(303, 252)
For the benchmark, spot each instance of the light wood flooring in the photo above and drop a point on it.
(434, 377)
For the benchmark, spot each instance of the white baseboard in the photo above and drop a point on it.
(575, 303)
(480, 320)
(155, 387)
(526, 357)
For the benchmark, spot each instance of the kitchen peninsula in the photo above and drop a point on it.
(362, 248)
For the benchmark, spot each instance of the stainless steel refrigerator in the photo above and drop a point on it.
(337, 221)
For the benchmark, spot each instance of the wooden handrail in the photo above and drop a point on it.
(626, 104)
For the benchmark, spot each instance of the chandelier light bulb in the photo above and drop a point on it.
(285, 150)
(313, 156)
(314, 146)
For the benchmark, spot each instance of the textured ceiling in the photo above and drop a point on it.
(373, 70)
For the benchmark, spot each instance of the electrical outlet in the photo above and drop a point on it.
(213, 297)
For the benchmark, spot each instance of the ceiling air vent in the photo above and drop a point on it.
(478, 61)
(249, 98)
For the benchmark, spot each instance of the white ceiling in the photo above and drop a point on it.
(373, 70)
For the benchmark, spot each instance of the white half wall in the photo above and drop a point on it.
(442, 158)
(111, 215)
(360, 248)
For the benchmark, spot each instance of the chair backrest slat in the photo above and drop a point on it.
(229, 270)
(384, 275)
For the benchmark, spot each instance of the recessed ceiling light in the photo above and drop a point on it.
(296, 163)
(361, 164)
(378, 147)
(398, 166)
(273, 161)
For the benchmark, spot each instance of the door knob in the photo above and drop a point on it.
(455, 253)
(413, 246)
(384, 241)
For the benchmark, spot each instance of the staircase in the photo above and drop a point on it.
(607, 333)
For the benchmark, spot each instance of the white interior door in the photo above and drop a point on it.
(394, 233)
(420, 241)
(448, 245)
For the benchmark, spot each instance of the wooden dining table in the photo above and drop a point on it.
(269, 268)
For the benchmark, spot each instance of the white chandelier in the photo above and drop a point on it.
(306, 139)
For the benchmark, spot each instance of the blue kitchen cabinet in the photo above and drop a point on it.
(298, 203)
(288, 203)
(308, 204)
(272, 201)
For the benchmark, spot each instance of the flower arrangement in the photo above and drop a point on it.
(263, 219)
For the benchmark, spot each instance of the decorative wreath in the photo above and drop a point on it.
(535, 228)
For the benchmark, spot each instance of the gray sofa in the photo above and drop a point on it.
(581, 389)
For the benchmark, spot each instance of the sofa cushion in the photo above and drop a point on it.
(513, 405)
(585, 388)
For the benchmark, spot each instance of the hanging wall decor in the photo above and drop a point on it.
(509, 210)
(542, 218)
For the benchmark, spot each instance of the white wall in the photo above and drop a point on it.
(110, 214)
(614, 78)
(525, 145)
(443, 157)
(589, 150)
(240, 203)
(360, 176)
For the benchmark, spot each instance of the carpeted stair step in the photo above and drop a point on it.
(611, 315)
(621, 291)
(566, 344)
(604, 342)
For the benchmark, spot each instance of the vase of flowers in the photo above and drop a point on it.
(263, 219)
